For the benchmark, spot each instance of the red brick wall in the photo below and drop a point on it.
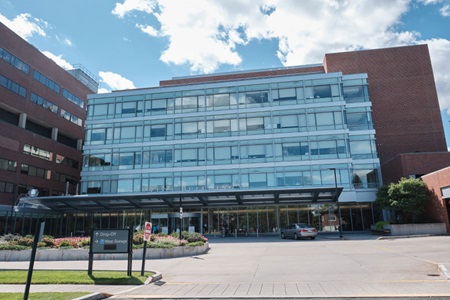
(402, 90)
(244, 75)
(437, 210)
(414, 164)
(13, 138)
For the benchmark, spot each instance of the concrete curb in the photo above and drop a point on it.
(444, 271)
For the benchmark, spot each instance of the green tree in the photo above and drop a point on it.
(407, 198)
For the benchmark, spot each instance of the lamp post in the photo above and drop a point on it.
(337, 200)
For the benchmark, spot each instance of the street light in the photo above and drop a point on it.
(337, 200)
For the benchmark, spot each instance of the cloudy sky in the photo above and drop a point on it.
(137, 43)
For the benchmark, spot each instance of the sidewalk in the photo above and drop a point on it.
(357, 266)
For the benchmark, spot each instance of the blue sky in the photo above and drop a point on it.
(137, 43)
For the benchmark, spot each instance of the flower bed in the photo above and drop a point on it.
(77, 248)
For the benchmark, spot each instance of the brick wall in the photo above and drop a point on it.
(437, 211)
(414, 164)
(406, 113)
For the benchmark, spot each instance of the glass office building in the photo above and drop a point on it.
(301, 131)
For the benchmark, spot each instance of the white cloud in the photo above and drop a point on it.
(58, 60)
(121, 10)
(103, 90)
(115, 81)
(65, 41)
(25, 25)
(445, 10)
(148, 30)
(439, 53)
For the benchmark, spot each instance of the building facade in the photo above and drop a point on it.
(42, 113)
(245, 153)
(297, 130)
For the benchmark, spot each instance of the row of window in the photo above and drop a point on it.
(20, 90)
(257, 151)
(366, 177)
(314, 94)
(46, 174)
(15, 61)
(56, 87)
(189, 128)
(12, 86)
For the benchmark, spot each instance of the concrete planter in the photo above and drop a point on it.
(83, 254)
(414, 229)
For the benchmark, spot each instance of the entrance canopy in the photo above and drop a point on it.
(187, 199)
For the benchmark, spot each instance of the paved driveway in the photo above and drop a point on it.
(358, 266)
(270, 267)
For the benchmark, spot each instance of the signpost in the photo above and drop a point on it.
(147, 234)
(37, 238)
(111, 241)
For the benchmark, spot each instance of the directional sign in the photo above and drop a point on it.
(110, 241)
(147, 231)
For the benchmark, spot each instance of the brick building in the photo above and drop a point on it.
(42, 114)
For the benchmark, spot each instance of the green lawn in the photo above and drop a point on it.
(42, 296)
(72, 277)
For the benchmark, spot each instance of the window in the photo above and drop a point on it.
(353, 92)
(60, 159)
(15, 61)
(6, 187)
(98, 134)
(254, 98)
(12, 86)
(158, 131)
(46, 81)
(35, 171)
(322, 91)
(70, 117)
(43, 102)
(72, 98)
(8, 165)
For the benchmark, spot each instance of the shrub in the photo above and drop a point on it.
(13, 247)
(25, 241)
(195, 244)
(380, 224)
(190, 236)
(48, 241)
(41, 244)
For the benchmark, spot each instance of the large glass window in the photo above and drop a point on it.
(15, 61)
(12, 86)
(46, 81)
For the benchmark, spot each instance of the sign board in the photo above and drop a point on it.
(165, 229)
(110, 241)
(191, 229)
(147, 231)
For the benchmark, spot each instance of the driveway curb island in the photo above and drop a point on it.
(83, 254)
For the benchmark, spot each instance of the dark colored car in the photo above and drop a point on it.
(299, 230)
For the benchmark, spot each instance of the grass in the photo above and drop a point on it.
(73, 277)
(42, 296)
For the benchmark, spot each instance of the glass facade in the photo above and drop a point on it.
(287, 131)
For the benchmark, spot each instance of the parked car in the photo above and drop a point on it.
(299, 230)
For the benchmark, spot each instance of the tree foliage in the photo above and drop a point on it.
(407, 198)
